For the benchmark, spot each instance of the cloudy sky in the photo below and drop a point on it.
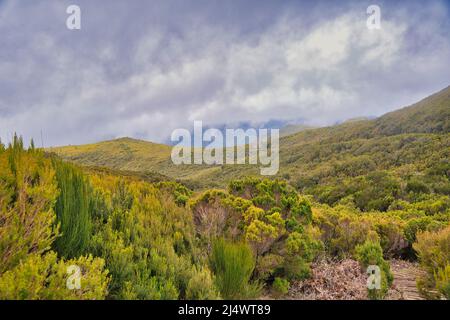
(143, 68)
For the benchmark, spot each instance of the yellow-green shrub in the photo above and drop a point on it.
(371, 253)
(442, 278)
(280, 286)
(433, 250)
(201, 285)
(44, 277)
(27, 195)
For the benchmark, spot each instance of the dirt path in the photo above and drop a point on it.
(405, 276)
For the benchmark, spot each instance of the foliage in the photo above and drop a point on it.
(433, 250)
(371, 253)
(146, 240)
(27, 196)
(44, 277)
(442, 279)
(269, 265)
(269, 216)
(201, 286)
(180, 193)
(280, 286)
(72, 210)
(233, 264)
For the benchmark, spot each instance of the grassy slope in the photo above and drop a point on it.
(121, 154)
(412, 138)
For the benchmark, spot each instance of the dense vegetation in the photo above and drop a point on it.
(369, 190)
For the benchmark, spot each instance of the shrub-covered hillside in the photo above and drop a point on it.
(133, 239)
(405, 143)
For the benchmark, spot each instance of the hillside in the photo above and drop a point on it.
(363, 193)
(293, 129)
(122, 154)
(396, 140)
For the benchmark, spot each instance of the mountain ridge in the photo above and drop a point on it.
(308, 151)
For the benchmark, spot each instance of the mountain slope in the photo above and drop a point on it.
(430, 115)
(293, 128)
(121, 154)
(412, 139)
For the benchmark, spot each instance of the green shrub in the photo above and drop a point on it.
(27, 196)
(416, 225)
(280, 286)
(371, 254)
(233, 264)
(268, 265)
(433, 251)
(442, 278)
(296, 268)
(45, 278)
(417, 186)
(201, 286)
(72, 210)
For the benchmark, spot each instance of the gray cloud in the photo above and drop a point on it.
(142, 68)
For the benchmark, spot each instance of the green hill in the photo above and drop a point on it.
(407, 141)
(122, 154)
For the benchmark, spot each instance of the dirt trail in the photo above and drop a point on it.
(405, 276)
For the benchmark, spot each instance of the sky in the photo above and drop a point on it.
(143, 68)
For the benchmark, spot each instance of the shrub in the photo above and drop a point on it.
(417, 186)
(27, 195)
(416, 225)
(268, 265)
(296, 268)
(43, 277)
(350, 231)
(72, 210)
(233, 264)
(280, 286)
(180, 193)
(146, 239)
(433, 250)
(303, 245)
(261, 235)
(442, 278)
(390, 231)
(371, 253)
(201, 286)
